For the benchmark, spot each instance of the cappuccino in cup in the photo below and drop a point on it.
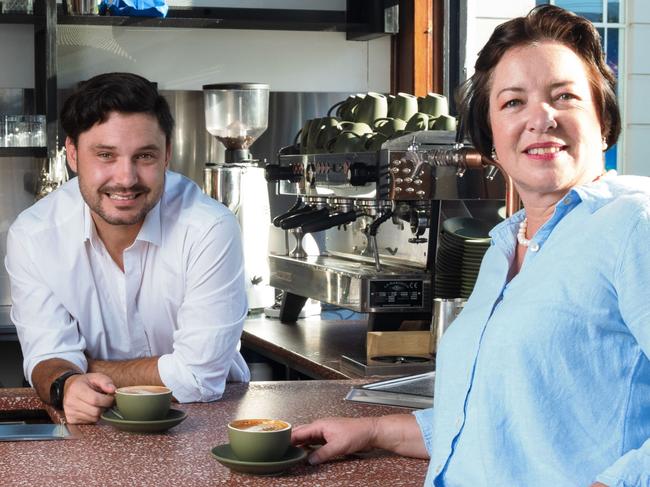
(259, 440)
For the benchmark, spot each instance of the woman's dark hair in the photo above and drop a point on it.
(543, 23)
(94, 100)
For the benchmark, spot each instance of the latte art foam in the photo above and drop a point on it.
(259, 425)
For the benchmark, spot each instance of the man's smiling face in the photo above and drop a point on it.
(121, 165)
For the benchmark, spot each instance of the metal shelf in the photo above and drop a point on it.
(23, 152)
(16, 18)
(224, 18)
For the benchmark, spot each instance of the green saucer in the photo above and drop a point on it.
(174, 417)
(225, 456)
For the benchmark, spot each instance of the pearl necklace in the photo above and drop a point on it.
(521, 234)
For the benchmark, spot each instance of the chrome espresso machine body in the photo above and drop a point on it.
(375, 217)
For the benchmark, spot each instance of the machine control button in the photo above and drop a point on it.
(394, 170)
(397, 162)
(420, 193)
(408, 180)
(399, 180)
(398, 190)
(410, 190)
(417, 181)
(406, 170)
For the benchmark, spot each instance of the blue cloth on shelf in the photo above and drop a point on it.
(134, 8)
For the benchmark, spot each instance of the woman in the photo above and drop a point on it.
(544, 378)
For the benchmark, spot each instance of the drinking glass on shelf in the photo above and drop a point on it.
(37, 130)
(22, 131)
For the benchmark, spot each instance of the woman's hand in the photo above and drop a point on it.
(339, 436)
(398, 433)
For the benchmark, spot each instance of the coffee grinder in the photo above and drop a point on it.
(237, 114)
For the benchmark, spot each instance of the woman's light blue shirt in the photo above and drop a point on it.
(545, 380)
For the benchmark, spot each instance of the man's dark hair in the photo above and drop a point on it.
(95, 99)
(543, 23)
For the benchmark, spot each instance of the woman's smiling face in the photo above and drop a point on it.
(547, 134)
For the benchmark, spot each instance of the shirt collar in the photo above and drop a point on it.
(505, 230)
(594, 195)
(151, 230)
(598, 193)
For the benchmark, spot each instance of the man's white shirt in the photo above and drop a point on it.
(181, 295)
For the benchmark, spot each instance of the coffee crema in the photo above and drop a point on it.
(259, 425)
(143, 390)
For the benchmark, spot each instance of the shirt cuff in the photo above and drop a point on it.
(75, 358)
(184, 385)
(424, 417)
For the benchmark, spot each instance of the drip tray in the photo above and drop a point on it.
(387, 365)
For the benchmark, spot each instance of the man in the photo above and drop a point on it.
(127, 274)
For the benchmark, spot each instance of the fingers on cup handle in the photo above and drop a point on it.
(102, 383)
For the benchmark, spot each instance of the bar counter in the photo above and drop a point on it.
(100, 455)
(311, 346)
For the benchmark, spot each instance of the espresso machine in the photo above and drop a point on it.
(237, 114)
(377, 216)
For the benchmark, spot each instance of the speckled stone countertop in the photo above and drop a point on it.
(100, 455)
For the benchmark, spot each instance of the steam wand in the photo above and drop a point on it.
(372, 235)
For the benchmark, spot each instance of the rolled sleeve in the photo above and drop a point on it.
(424, 417)
(210, 319)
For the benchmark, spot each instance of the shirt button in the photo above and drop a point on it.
(534, 246)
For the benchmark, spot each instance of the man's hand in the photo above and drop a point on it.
(341, 436)
(86, 396)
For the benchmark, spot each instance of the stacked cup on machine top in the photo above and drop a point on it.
(363, 122)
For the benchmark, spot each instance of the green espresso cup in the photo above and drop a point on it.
(143, 403)
(259, 440)
(434, 105)
(346, 141)
(404, 106)
(388, 126)
(444, 122)
(419, 121)
(372, 107)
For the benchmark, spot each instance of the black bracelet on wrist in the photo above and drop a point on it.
(57, 387)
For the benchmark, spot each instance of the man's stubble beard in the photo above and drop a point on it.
(94, 201)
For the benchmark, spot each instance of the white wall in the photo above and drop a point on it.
(636, 122)
(188, 58)
(482, 18)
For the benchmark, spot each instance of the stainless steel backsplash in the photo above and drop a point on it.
(192, 148)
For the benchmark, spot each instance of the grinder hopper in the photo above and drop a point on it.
(237, 114)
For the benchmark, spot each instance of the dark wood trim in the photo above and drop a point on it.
(437, 55)
(416, 67)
